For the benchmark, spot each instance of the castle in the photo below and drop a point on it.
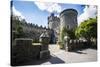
(67, 18)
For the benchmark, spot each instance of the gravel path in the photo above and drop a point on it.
(60, 56)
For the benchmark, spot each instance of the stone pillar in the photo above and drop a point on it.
(66, 43)
(70, 45)
(44, 40)
(75, 45)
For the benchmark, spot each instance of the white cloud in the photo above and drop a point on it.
(50, 7)
(89, 12)
(17, 13)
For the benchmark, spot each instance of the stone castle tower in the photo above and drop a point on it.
(53, 22)
(67, 18)
(54, 25)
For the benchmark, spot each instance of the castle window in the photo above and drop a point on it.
(68, 26)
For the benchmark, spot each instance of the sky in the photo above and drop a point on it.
(37, 12)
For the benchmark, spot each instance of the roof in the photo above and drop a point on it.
(69, 10)
(44, 35)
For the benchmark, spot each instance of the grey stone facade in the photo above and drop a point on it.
(54, 23)
(67, 18)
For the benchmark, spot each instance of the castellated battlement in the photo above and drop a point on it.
(53, 21)
(52, 18)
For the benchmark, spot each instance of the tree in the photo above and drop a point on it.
(68, 32)
(87, 29)
(19, 32)
(63, 33)
(17, 27)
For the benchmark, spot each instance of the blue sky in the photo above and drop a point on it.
(37, 12)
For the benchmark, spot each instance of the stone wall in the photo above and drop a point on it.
(24, 51)
(77, 44)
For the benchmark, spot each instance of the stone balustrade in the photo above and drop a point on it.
(75, 44)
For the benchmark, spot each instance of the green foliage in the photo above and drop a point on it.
(17, 27)
(22, 29)
(20, 32)
(63, 33)
(87, 29)
(67, 32)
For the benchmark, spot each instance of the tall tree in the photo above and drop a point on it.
(87, 29)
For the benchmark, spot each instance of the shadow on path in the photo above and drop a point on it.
(80, 52)
(51, 60)
(55, 60)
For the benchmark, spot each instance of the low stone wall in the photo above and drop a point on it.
(24, 51)
(77, 44)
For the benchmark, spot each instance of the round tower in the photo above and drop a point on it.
(68, 18)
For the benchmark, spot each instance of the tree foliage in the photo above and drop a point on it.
(23, 29)
(17, 28)
(68, 32)
(87, 29)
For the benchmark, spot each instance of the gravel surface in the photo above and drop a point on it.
(61, 56)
